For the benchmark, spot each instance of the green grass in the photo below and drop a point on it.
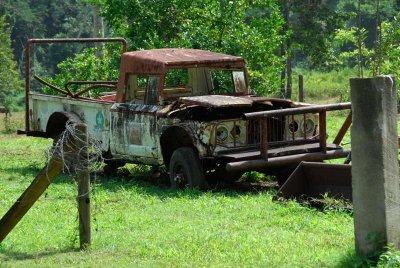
(136, 223)
(324, 87)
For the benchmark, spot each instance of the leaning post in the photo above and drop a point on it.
(375, 168)
(83, 175)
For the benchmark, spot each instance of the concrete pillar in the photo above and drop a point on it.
(375, 168)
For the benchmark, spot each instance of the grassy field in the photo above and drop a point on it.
(136, 223)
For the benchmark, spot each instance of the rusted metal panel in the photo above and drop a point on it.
(156, 61)
(217, 101)
(313, 180)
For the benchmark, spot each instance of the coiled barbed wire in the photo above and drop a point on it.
(70, 148)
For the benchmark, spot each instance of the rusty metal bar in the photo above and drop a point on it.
(28, 47)
(234, 133)
(90, 82)
(260, 164)
(66, 92)
(264, 138)
(294, 128)
(300, 110)
(343, 130)
(90, 88)
(322, 130)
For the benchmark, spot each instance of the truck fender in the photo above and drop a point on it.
(174, 137)
(58, 121)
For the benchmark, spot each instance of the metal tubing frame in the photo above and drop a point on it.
(300, 110)
(260, 164)
(28, 47)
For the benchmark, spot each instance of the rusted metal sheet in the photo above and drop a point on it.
(156, 61)
(313, 180)
(217, 101)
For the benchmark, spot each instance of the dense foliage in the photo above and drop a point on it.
(244, 28)
(273, 36)
(10, 83)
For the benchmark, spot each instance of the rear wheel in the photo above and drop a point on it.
(186, 170)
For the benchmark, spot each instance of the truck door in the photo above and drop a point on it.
(134, 124)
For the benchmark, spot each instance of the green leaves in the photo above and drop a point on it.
(243, 28)
(10, 83)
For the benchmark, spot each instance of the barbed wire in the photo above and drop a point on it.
(74, 158)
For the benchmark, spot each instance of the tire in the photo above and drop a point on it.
(111, 167)
(186, 170)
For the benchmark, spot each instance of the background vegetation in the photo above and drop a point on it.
(326, 41)
(278, 39)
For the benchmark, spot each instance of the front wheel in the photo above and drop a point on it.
(186, 170)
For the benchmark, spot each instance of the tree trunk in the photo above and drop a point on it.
(98, 29)
(289, 78)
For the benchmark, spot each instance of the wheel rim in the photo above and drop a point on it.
(179, 177)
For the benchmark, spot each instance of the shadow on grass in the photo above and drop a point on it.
(352, 260)
(14, 255)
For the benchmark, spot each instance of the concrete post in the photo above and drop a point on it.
(375, 168)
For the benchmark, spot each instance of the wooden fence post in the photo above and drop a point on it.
(83, 175)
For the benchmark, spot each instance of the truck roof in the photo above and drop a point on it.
(157, 61)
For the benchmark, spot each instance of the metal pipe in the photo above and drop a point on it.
(260, 164)
(322, 131)
(264, 138)
(299, 110)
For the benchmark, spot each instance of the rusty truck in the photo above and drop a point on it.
(188, 110)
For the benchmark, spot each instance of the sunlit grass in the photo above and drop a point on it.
(136, 223)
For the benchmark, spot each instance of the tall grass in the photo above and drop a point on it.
(324, 87)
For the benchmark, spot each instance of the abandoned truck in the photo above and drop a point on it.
(192, 112)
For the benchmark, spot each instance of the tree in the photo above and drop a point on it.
(10, 83)
(243, 28)
(309, 26)
(46, 19)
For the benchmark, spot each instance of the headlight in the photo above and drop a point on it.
(293, 126)
(222, 133)
(308, 126)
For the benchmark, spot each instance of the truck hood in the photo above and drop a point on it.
(214, 107)
(217, 101)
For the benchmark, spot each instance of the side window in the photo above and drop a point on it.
(152, 89)
(135, 88)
